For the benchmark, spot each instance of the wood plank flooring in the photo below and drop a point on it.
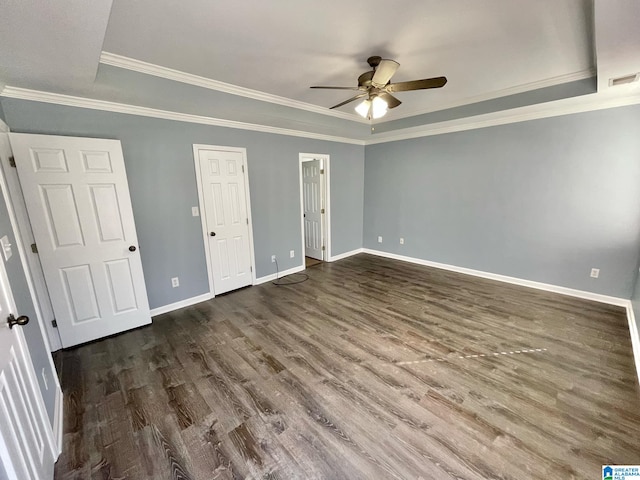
(311, 262)
(311, 381)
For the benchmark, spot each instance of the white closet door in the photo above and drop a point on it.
(225, 209)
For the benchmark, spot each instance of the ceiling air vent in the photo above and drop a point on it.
(614, 82)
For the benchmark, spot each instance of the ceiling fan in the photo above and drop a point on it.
(376, 89)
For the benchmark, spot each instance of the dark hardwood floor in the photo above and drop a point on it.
(312, 381)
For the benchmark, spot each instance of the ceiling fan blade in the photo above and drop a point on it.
(435, 82)
(392, 102)
(350, 100)
(338, 88)
(384, 72)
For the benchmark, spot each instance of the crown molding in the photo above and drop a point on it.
(568, 106)
(505, 92)
(585, 103)
(139, 66)
(83, 102)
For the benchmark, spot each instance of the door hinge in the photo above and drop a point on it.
(54, 323)
(34, 248)
(12, 161)
(323, 248)
(242, 168)
(250, 268)
(322, 210)
(321, 171)
(247, 221)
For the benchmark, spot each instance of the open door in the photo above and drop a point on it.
(312, 213)
(77, 196)
(314, 200)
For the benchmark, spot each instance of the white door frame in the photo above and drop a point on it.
(203, 220)
(24, 238)
(326, 201)
(53, 433)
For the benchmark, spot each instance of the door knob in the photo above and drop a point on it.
(132, 248)
(21, 320)
(213, 234)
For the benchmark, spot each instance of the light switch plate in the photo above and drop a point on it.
(195, 211)
(6, 247)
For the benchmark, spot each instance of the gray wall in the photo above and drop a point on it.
(33, 334)
(543, 200)
(161, 174)
(531, 97)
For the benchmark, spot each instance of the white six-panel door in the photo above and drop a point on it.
(223, 199)
(78, 201)
(312, 204)
(26, 438)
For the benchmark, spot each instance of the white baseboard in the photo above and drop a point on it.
(345, 254)
(181, 304)
(58, 422)
(269, 278)
(635, 336)
(207, 296)
(621, 302)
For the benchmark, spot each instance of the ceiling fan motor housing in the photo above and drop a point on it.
(374, 61)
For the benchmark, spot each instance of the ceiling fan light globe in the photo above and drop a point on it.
(379, 108)
(363, 108)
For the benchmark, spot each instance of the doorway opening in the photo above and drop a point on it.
(314, 205)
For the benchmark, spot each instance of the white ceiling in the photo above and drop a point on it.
(51, 45)
(486, 48)
(282, 47)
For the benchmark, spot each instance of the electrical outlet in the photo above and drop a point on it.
(195, 212)
(292, 253)
(45, 379)
(401, 241)
(379, 239)
(6, 247)
(175, 282)
(595, 272)
(273, 259)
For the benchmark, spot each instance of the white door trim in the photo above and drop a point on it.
(16, 218)
(326, 191)
(17, 215)
(196, 162)
(24, 238)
